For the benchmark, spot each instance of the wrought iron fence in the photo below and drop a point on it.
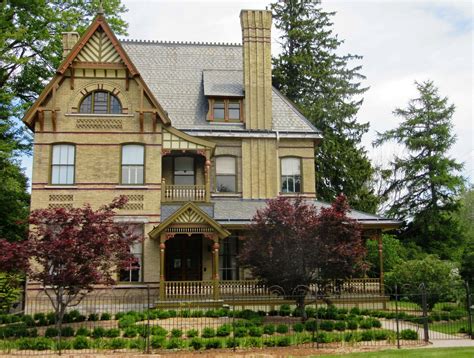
(120, 322)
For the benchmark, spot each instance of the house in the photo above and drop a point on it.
(193, 134)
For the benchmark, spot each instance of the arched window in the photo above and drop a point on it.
(290, 175)
(226, 178)
(133, 158)
(100, 102)
(62, 164)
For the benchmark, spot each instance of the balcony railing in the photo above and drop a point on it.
(183, 192)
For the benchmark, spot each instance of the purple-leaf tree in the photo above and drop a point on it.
(71, 250)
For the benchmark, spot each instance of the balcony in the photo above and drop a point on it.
(177, 193)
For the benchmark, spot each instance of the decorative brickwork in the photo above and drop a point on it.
(60, 205)
(135, 197)
(61, 197)
(95, 123)
(133, 206)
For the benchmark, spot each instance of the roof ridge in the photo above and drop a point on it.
(165, 42)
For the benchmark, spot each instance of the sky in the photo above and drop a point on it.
(400, 41)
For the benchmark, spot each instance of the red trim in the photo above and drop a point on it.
(100, 144)
(117, 189)
(72, 132)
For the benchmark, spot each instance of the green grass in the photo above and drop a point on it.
(411, 353)
(404, 306)
(451, 327)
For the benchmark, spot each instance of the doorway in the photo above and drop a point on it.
(183, 258)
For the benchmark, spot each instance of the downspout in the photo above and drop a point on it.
(277, 163)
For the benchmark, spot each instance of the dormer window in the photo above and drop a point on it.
(225, 110)
(100, 102)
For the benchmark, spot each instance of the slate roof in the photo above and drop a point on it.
(233, 211)
(180, 74)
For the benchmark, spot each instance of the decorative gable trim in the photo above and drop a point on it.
(174, 139)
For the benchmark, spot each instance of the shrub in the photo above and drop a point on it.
(176, 333)
(118, 343)
(28, 320)
(105, 316)
(81, 343)
(67, 331)
(119, 315)
(352, 324)
(51, 332)
(98, 332)
(208, 332)
(381, 335)
(223, 331)
(240, 332)
(365, 324)
(298, 327)
(375, 323)
(63, 344)
(254, 342)
(192, 333)
(112, 333)
(41, 319)
(249, 314)
(213, 343)
(310, 325)
(283, 341)
(327, 326)
(51, 318)
(269, 329)
(323, 337)
(130, 332)
(93, 317)
(352, 337)
(282, 328)
(83, 331)
(172, 313)
(196, 343)
(163, 314)
(42, 344)
(340, 326)
(154, 330)
(157, 341)
(409, 334)
(136, 344)
(368, 335)
(232, 342)
(331, 312)
(173, 343)
(126, 321)
(285, 310)
(310, 311)
(255, 331)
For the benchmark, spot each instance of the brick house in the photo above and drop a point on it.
(193, 133)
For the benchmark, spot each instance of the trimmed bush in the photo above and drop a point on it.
(83, 331)
(105, 316)
(63, 344)
(283, 341)
(323, 337)
(232, 342)
(98, 332)
(93, 317)
(213, 343)
(269, 329)
(240, 332)
(176, 333)
(157, 341)
(368, 335)
(51, 332)
(352, 324)
(208, 332)
(81, 343)
(327, 326)
(254, 342)
(365, 324)
(409, 334)
(285, 310)
(381, 335)
(112, 333)
(298, 327)
(340, 326)
(310, 325)
(118, 343)
(130, 332)
(173, 343)
(255, 331)
(196, 343)
(126, 321)
(155, 331)
(136, 344)
(192, 333)
(223, 331)
(352, 337)
(67, 331)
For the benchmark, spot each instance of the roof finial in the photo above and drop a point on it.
(100, 11)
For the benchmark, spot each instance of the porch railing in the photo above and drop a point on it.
(179, 290)
(183, 192)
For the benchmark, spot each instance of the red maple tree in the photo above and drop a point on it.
(290, 244)
(70, 250)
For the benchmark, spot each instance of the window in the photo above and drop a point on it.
(134, 272)
(228, 251)
(225, 175)
(290, 175)
(184, 171)
(62, 164)
(100, 102)
(132, 163)
(225, 110)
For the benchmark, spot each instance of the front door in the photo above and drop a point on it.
(183, 258)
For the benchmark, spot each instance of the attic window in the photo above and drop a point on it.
(100, 102)
(225, 110)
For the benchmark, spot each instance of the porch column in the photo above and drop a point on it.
(162, 271)
(215, 267)
(378, 236)
(207, 175)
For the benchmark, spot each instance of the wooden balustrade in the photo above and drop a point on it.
(183, 192)
(177, 290)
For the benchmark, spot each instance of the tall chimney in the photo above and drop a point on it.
(257, 58)
(69, 40)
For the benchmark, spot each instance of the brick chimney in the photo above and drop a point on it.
(257, 61)
(69, 40)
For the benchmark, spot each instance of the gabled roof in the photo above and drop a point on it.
(98, 24)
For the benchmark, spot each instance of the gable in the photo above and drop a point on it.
(99, 48)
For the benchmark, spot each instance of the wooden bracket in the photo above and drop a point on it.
(72, 78)
(127, 79)
(53, 119)
(141, 116)
(41, 120)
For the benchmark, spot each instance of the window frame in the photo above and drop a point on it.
(281, 175)
(122, 165)
(222, 259)
(226, 100)
(174, 168)
(109, 103)
(52, 165)
(235, 175)
(141, 256)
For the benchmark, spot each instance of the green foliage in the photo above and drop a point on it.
(285, 310)
(223, 331)
(282, 328)
(213, 343)
(327, 326)
(467, 264)
(83, 331)
(118, 343)
(176, 333)
(98, 332)
(105, 316)
(112, 333)
(255, 331)
(441, 279)
(298, 327)
(192, 333)
(312, 72)
(408, 334)
(67, 331)
(240, 332)
(126, 321)
(10, 290)
(51, 332)
(173, 343)
(208, 332)
(269, 329)
(130, 332)
(394, 253)
(157, 341)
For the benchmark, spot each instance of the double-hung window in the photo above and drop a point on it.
(228, 251)
(184, 171)
(133, 273)
(133, 158)
(291, 175)
(226, 175)
(62, 164)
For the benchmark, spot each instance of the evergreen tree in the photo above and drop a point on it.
(311, 73)
(425, 183)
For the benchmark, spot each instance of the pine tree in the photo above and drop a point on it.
(321, 82)
(426, 184)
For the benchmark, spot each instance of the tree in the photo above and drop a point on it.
(425, 184)
(311, 73)
(290, 244)
(440, 278)
(70, 250)
(393, 254)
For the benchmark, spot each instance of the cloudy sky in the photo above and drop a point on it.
(401, 41)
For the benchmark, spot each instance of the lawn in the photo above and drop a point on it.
(404, 306)
(451, 327)
(411, 353)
